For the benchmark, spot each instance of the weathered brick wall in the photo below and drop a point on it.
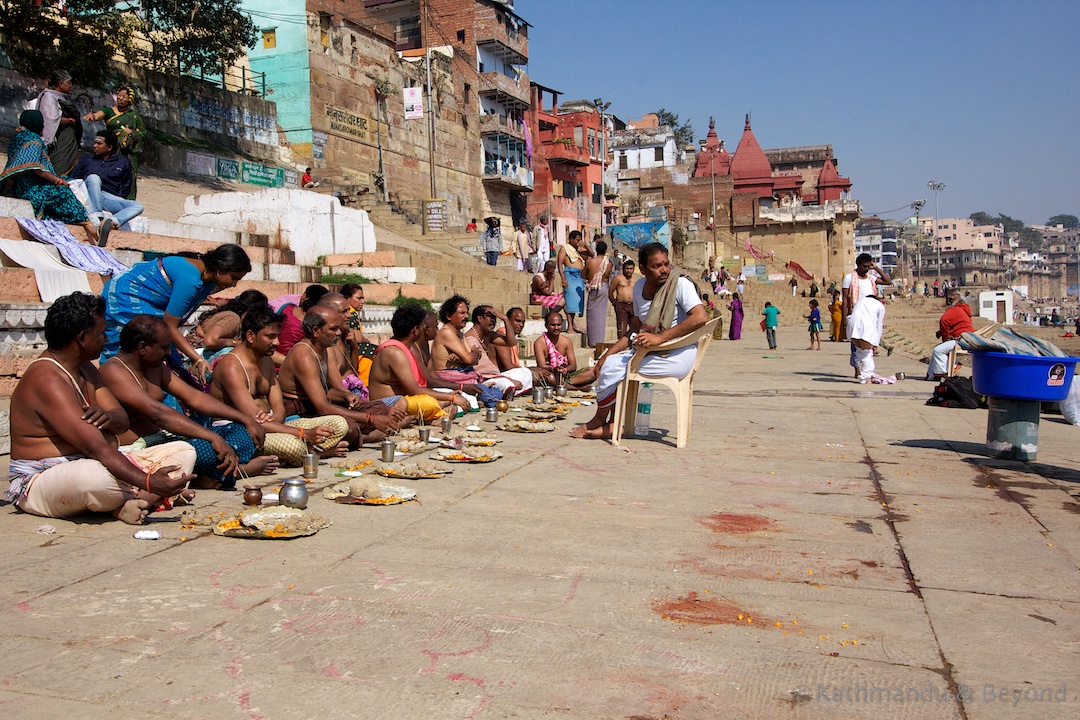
(182, 107)
(344, 75)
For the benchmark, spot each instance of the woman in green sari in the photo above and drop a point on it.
(127, 124)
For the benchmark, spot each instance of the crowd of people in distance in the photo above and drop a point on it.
(45, 158)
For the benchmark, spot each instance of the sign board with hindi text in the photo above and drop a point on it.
(264, 175)
(349, 124)
(434, 216)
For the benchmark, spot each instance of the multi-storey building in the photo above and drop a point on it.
(345, 67)
(964, 234)
(880, 238)
(568, 164)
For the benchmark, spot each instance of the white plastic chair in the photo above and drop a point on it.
(683, 388)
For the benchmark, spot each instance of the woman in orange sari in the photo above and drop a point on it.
(835, 307)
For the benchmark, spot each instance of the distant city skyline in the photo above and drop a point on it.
(980, 95)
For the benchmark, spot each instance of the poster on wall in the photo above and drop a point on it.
(434, 215)
(414, 103)
(201, 164)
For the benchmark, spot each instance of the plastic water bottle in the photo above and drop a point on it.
(644, 409)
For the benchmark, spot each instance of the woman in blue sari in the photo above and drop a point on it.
(171, 288)
(29, 175)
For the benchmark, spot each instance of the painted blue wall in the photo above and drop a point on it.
(286, 66)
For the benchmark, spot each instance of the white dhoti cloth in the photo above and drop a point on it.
(864, 361)
(505, 380)
(677, 363)
(939, 359)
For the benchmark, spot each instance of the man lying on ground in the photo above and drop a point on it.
(305, 384)
(396, 374)
(140, 379)
(666, 307)
(246, 379)
(64, 423)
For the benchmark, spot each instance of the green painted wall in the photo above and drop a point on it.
(286, 65)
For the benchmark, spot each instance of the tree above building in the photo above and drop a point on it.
(84, 36)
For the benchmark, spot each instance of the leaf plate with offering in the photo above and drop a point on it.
(526, 426)
(368, 492)
(347, 468)
(468, 456)
(546, 406)
(271, 523)
(470, 440)
(541, 415)
(423, 470)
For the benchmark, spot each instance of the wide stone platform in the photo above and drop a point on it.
(821, 549)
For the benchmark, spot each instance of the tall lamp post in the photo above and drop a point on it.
(602, 107)
(917, 206)
(937, 187)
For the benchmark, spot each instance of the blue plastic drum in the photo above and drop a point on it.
(1022, 377)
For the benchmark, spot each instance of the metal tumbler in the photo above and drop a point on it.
(491, 415)
(538, 395)
(425, 434)
(388, 448)
(311, 466)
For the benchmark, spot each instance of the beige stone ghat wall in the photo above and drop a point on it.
(343, 76)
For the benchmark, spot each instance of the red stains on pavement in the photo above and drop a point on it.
(736, 524)
(696, 611)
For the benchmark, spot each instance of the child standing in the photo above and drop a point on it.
(771, 313)
(815, 325)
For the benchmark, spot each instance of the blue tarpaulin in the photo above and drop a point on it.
(637, 234)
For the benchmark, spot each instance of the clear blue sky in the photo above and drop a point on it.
(983, 95)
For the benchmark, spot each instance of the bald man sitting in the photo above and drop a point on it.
(306, 391)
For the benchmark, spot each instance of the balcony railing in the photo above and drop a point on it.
(500, 124)
(509, 32)
(506, 173)
(565, 153)
(498, 84)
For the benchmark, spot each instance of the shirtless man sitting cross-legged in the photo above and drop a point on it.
(396, 373)
(305, 384)
(247, 380)
(140, 380)
(64, 423)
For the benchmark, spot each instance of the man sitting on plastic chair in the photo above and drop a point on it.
(671, 308)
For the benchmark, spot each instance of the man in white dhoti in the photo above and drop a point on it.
(866, 323)
(666, 306)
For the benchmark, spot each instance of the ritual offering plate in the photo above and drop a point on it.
(568, 403)
(368, 492)
(542, 415)
(411, 446)
(413, 433)
(546, 406)
(582, 394)
(526, 426)
(271, 523)
(470, 440)
(422, 470)
(348, 468)
(468, 456)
